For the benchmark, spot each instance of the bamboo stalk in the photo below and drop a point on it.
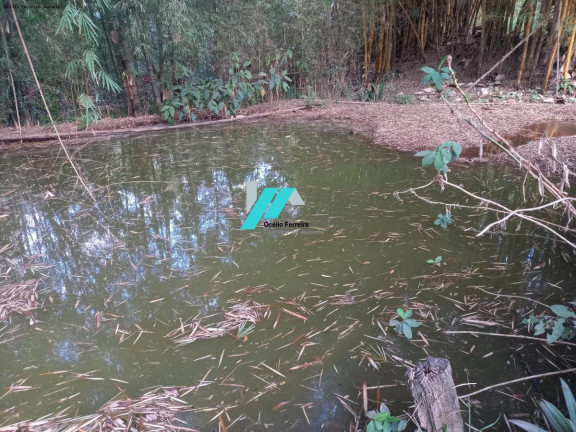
(368, 32)
(550, 63)
(365, 37)
(570, 51)
(527, 31)
(392, 56)
(419, 41)
(482, 36)
(380, 59)
(11, 79)
(553, 44)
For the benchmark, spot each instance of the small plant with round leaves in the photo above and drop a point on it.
(381, 420)
(436, 261)
(405, 323)
(443, 220)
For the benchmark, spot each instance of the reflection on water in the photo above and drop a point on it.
(164, 245)
(550, 129)
(536, 131)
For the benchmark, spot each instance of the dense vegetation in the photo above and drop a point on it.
(125, 57)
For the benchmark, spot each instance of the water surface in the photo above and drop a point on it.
(164, 245)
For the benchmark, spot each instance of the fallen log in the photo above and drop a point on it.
(6, 139)
(435, 397)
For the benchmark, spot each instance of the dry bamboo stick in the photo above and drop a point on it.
(499, 62)
(106, 133)
(517, 380)
(532, 338)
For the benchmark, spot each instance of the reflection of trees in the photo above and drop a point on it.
(170, 207)
(161, 210)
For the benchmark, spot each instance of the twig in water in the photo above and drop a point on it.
(517, 380)
(509, 336)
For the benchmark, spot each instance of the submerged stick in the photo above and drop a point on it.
(156, 128)
(565, 371)
(509, 336)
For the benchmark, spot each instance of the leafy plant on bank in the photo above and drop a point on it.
(278, 79)
(568, 86)
(381, 420)
(436, 261)
(310, 97)
(384, 91)
(443, 220)
(554, 417)
(436, 76)
(535, 95)
(90, 112)
(405, 323)
(561, 326)
(374, 92)
(441, 156)
(223, 98)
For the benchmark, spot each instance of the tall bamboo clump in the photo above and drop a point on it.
(484, 29)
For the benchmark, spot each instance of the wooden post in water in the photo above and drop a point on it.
(435, 396)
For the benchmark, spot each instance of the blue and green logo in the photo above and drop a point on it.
(269, 204)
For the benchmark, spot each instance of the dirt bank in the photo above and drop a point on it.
(402, 127)
(424, 126)
(550, 154)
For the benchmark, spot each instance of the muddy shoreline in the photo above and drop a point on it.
(407, 128)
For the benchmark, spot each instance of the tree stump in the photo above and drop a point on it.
(435, 396)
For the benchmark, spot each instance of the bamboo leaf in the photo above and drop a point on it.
(528, 427)
(569, 399)
(556, 419)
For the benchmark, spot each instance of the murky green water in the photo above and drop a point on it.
(164, 245)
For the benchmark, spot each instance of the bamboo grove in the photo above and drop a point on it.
(123, 57)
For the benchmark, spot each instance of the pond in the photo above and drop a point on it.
(163, 246)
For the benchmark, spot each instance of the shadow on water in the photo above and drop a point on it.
(164, 245)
